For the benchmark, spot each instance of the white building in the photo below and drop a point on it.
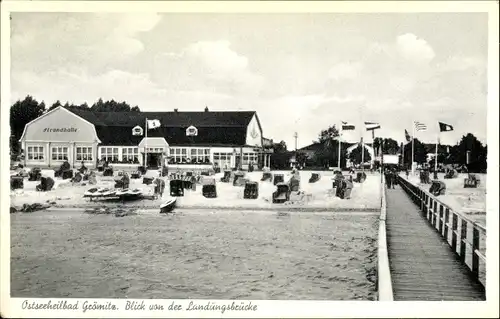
(183, 139)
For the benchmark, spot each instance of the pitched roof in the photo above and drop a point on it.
(170, 119)
(312, 147)
(214, 128)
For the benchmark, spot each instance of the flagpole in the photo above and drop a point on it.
(362, 140)
(403, 154)
(362, 154)
(413, 149)
(375, 151)
(436, 156)
(146, 146)
(340, 144)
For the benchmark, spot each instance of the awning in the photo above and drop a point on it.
(154, 142)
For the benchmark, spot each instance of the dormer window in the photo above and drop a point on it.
(137, 131)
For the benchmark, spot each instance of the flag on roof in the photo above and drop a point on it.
(152, 124)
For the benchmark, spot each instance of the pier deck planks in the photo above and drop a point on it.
(423, 266)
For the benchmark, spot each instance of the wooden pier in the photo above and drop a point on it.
(430, 255)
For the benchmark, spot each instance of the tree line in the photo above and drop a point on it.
(326, 154)
(24, 111)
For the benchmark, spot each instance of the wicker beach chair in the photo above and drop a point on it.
(176, 188)
(16, 182)
(282, 193)
(278, 178)
(251, 190)
(209, 191)
(46, 184)
(437, 188)
(314, 177)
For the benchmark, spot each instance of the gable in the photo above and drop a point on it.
(60, 125)
(254, 133)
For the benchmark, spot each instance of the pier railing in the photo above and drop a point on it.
(384, 281)
(465, 237)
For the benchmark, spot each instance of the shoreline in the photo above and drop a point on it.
(224, 208)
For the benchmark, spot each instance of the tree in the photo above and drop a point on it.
(477, 153)
(301, 158)
(113, 106)
(21, 113)
(355, 155)
(420, 153)
(390, 146)
(279, 147)
(55, 105)
(328, 154)
(328, 135)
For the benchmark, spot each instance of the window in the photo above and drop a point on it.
(137, 131)
(223, 160)
(130, 155)
(249, 158)
(35, 153)
(200, 155)
(109, 154)
(60, 153)
(180, 155)
(84, 153)
(155, 149)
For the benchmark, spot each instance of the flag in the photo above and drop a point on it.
(347, 127)
(407, 136)
(152, 124)
(370, 126)
(443, 127)
(420, 126)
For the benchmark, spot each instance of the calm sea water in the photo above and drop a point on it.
(196, 254)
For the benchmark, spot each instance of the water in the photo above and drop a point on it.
(196, 254)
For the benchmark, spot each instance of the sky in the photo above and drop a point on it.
(301, 72)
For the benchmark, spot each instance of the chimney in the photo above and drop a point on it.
(176, 110)
(206, 108)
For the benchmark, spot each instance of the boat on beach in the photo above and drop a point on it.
(168, 205)
(100, 192)
(127, 193)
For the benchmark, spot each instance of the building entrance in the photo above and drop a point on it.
(154, 160)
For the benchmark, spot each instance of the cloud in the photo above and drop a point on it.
(214, 64)
(77, 86)
(42, 41)
(120, 42)
(345, 70)
(298, 77)
(414, 49)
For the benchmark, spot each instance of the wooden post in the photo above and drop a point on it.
(441, 215)
(475, 257)
(429, 213)
(454, 228)
(446, 222)
(463, 237)
(435, 214)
